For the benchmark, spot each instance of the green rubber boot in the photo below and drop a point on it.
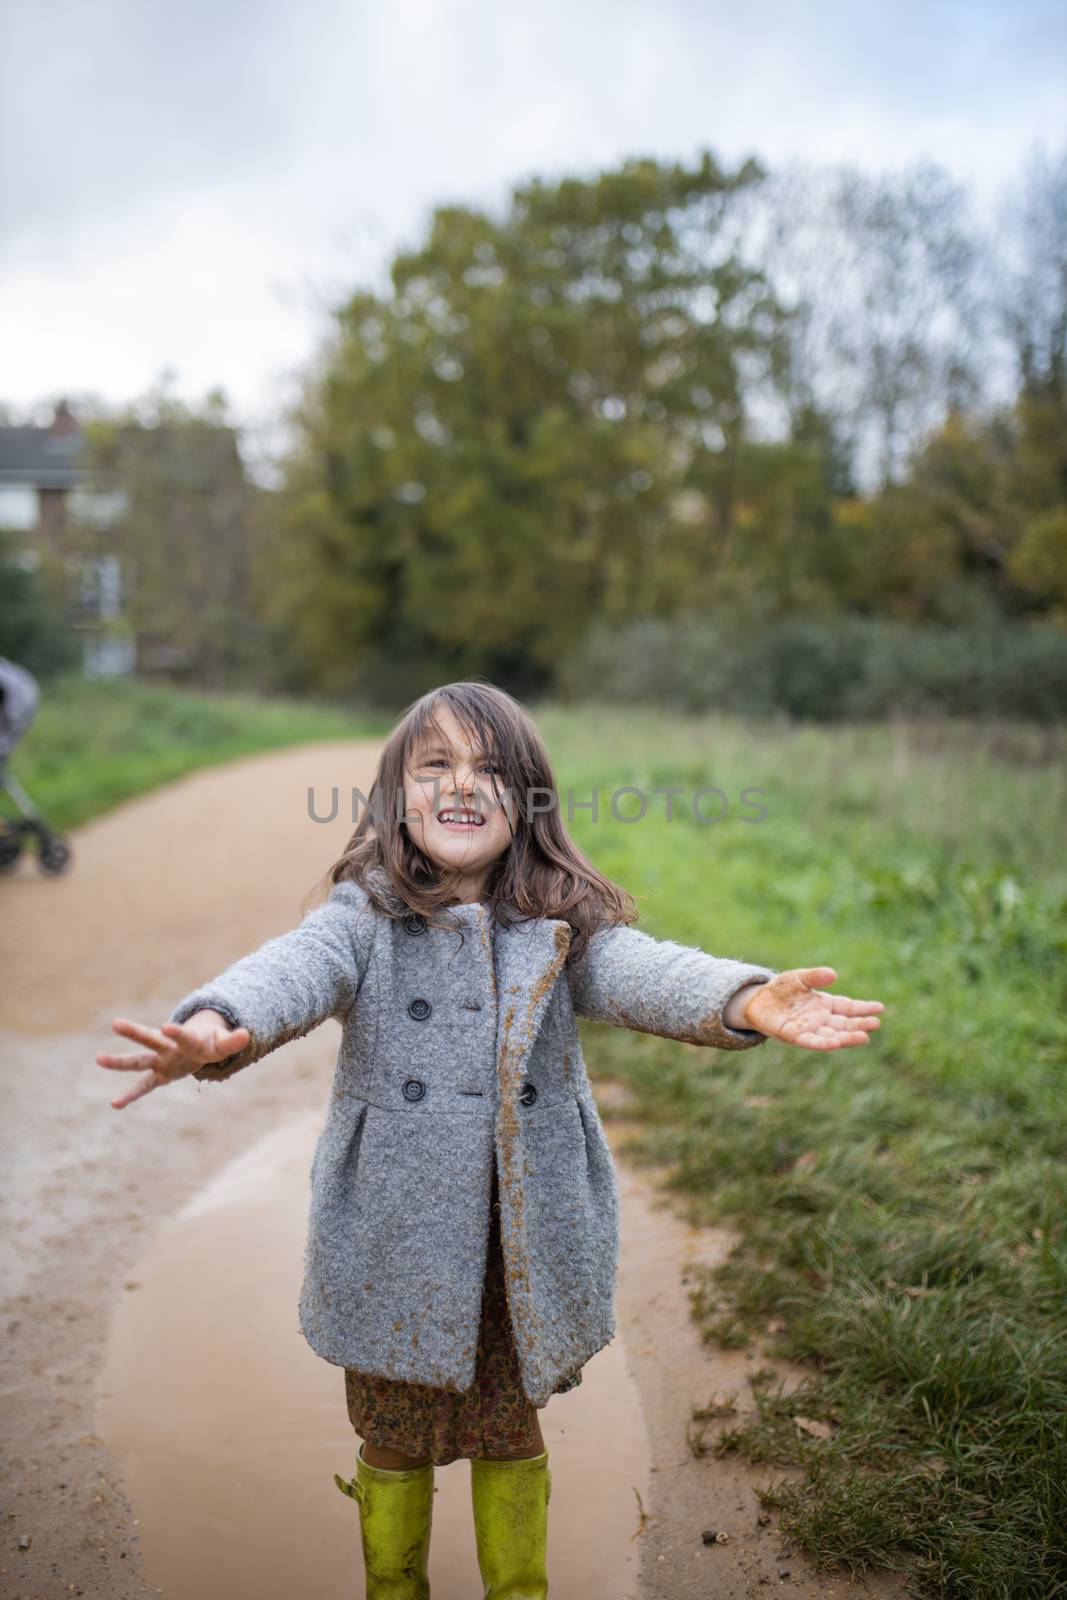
(511, 1526)
(395, 1512)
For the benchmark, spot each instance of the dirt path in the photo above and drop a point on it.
(162, 1414)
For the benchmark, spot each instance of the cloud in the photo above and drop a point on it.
(192, 184)
(104, 104)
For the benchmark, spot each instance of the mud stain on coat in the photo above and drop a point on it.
(513, 1047)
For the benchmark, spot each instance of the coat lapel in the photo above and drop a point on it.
(529, 959)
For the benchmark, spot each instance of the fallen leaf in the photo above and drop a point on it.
(720, 1405)
(817, 1429)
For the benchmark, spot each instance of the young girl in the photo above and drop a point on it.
(463, 1230)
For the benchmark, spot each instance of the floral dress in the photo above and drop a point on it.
(494, 1417)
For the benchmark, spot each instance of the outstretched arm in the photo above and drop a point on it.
(292, 983)
(282, 990)
(626, 977)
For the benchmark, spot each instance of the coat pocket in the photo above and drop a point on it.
(599, 1159)
(603, 1228)
(326, 1301)
(336, 1159)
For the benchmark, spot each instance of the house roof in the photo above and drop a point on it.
(41, 457)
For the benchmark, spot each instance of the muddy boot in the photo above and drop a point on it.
(511, 1526)
(395, 1511)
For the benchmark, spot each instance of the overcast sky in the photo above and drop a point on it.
(190, 184)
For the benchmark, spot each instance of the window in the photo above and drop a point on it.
(18, 507)
(108, 657)
(99, 586)
(97, 509)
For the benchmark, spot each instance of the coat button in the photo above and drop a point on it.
(414, 1089)
(528, 1094)
(419, 1009)
(415, 923)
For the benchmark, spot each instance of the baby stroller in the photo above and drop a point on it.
(18, 707)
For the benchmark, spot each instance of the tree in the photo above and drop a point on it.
(32, 629)
(183, 538)
(539, 423)
(881, 273)
(1032, 291)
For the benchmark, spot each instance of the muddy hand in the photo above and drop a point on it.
(790, 1007)
(172, 1052)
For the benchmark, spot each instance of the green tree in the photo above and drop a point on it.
(184, 536)
(540, 423)
(32, 629)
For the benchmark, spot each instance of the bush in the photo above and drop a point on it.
(824, 671)
(32, 633)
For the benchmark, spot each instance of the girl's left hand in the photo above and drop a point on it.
(790, 1007)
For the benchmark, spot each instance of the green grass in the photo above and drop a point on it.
(95, 743)
(900, 1206)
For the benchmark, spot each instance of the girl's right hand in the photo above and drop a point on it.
(174, 1051)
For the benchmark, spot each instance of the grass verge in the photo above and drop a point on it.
(95, 743)
(901, 1206)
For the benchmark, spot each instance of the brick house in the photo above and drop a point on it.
(44, 488)
(144, 544)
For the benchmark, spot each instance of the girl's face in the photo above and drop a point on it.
(456, 808)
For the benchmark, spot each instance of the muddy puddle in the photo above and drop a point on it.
(228, 1428)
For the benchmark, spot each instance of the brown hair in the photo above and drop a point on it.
(542, 873)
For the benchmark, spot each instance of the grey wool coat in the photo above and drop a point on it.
(459, 1049)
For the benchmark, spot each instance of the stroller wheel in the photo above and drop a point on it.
(55, 855)
(10, 848)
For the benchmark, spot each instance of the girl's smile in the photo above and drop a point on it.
(460, 819)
